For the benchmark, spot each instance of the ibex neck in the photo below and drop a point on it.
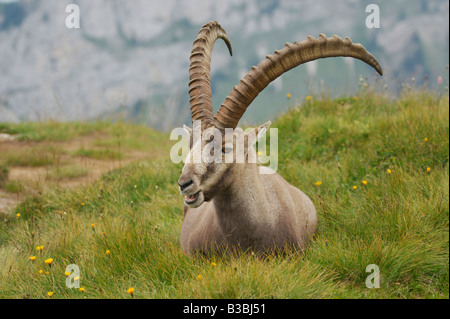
(242, 207)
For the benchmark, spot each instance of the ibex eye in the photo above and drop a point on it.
(227, 149)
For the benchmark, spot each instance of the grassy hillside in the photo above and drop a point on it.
(376, 169)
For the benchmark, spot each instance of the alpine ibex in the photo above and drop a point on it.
(238, 205)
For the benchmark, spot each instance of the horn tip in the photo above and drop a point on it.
(379, 70)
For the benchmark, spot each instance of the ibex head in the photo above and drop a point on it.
(210, 163)
(201, 179)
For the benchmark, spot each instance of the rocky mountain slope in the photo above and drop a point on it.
(130, 59)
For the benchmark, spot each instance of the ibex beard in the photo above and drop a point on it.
(231, 204)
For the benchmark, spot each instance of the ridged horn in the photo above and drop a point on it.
(199, 71)
(281, 61)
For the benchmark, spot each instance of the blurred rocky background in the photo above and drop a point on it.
(129, 59)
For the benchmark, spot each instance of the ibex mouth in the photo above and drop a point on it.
(191, 199)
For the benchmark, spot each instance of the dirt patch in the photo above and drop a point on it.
(65, 170)
(6, 137)
(8, 201)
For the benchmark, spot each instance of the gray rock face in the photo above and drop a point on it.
(130, 59)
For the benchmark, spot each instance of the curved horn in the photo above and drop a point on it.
(283, 60)
(199, 70)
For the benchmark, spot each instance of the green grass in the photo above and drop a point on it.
(67, 171)
(110, 135)
(51, 131)
(13, 187)
(124, 136)
(4, 172)
(399, 221)
(32, 156)
(103, 154)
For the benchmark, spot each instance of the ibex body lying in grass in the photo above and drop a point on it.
(238, 205)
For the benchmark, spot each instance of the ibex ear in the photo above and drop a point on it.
(253, 135)
(261, 130)
(187, 129)
(191, 137)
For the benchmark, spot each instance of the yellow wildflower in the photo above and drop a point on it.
(33, 258)
(93, 226)
(41, 271)
(213, 264)
(389, 171)
(40, 248)
(355, 98)
(50, 293)
(318, 183)
(82, 204)
(49, 261)
(18, 215)
(199, 277)
(288, 95)
(108, 252)
(131, 291)
(67, 273)
(47, 272)
(355, 187)
(428, 169)
(364, 182)
(426, 139)
(81, 289)
(308, 98)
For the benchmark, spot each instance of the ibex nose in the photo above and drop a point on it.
(183, 183)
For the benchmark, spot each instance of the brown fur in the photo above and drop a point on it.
(246, 210)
